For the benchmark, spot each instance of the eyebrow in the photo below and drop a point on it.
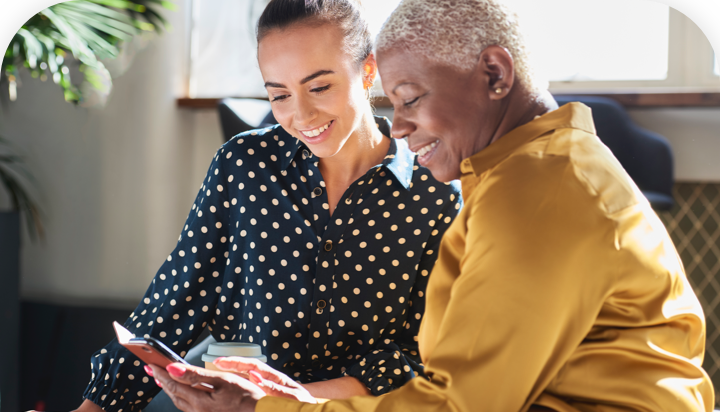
(401, 84)
(303, 81)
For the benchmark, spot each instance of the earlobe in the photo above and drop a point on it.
(497, 63)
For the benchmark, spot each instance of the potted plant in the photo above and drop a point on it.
(75, 38)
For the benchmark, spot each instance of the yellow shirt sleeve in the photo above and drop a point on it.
(557, 286)
(512, 315)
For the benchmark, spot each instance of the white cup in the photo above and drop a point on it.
(223, 349)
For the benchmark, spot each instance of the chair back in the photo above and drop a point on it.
(241, 115)
(645, 155)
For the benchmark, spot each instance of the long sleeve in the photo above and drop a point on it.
(514, 312)
(557, 285)
(178, 304)
(393, 363)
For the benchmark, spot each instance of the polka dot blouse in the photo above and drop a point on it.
(261, 260)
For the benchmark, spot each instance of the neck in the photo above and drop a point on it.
(365, 148)
(519, 108)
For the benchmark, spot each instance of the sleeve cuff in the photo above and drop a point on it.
(384, 370)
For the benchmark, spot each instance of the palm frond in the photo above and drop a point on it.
(89, 30)
(11, 169)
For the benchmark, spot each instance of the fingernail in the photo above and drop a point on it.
(157, 382)
(175, 370)
(148, 370)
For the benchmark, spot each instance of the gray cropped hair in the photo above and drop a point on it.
(455, 32)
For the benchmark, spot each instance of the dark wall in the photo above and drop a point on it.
(9, 308)
(56, 345)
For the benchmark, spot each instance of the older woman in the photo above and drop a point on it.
(557, 287)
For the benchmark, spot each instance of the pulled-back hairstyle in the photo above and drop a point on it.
(346, 14)
(455, 32)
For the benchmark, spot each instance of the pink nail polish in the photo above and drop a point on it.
(176, 370)
(148, 370)
(157, 382)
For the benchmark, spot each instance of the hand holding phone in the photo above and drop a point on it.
(152, 351)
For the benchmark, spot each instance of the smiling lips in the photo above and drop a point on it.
(315, 132)
(425, 149)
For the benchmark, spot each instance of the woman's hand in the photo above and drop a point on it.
(231, 393)
(272, 382)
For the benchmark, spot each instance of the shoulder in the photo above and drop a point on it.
(568, 168)
(269, 139)
(258, 147)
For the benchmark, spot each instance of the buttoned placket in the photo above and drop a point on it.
(331, 229)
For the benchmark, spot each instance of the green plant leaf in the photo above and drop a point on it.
(78, 47)
(104, 24)
(10, 168)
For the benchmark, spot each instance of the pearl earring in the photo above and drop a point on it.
(498, 90)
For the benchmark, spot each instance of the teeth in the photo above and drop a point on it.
(313, 133)
(424, 150)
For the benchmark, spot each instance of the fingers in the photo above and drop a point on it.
(174, 390)
(238, 364)
(244, 365)
(271, 388)
(194, 376)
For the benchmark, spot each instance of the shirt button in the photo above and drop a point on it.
(321, 304)
(306, 154)
(328, 246)
(315, 363)
(317, 191)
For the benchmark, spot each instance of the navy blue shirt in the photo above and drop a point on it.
(261, 260)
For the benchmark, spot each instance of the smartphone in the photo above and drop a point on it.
(152, 352)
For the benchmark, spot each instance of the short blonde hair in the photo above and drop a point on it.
(455, 32)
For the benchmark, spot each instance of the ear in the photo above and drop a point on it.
(499, 69)
(369, 71)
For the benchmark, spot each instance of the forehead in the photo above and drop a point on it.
(397, 66)
(301, 49)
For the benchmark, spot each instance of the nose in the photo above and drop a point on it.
(401, 127)
(305, 113)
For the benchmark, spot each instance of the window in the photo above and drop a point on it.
(582, 46)
(596, 40)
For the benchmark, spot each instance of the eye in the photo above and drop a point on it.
(280, 98)
(411, 102)
(320, 89)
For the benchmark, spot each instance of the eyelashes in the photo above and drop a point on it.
(411, 102)
(317, 90)
(320, 89)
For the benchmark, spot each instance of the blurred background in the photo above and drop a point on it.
(118, 143)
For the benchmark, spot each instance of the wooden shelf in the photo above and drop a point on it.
(630, 100)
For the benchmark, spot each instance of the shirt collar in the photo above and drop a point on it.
(399, 160)
(572, 115)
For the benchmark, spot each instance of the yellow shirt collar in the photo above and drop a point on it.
(572, 115)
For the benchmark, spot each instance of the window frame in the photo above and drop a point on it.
(690, 66)
(691, 81)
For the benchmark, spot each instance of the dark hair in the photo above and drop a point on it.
(347, 14)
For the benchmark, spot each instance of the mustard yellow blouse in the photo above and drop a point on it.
(557, 285)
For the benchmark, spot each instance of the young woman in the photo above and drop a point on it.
(313, 238)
